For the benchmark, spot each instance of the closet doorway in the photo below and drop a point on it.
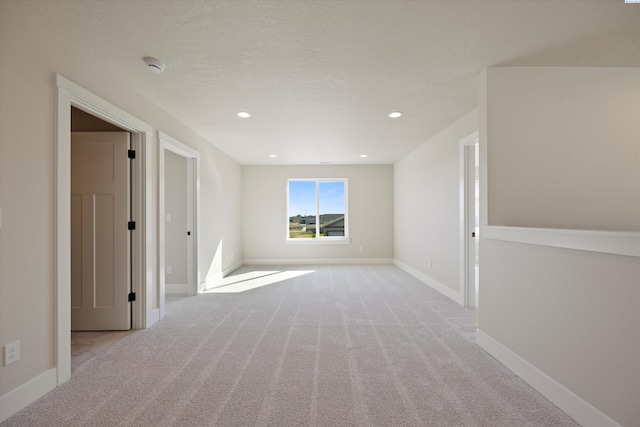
(470, 219)
(179, 172)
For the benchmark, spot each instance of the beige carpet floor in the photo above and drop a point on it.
(301, 346)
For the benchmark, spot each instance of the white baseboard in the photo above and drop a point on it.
(153, 317)
(214, 279)
(572, 404)
(440, 287)
(229, 270)
(27, 393)
(176, 288)
(319, 261)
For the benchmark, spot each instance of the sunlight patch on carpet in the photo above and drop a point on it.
(253, 280)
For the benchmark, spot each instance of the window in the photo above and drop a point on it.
(317, 209)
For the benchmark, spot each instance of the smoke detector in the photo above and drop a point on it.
(154, 65)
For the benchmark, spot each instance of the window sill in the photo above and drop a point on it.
(319, 241)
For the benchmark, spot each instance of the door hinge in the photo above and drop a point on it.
(131, 225)
(132, 296)
(132, 154)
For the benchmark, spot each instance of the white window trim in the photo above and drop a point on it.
(321, 240)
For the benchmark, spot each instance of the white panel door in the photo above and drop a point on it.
(100, 248)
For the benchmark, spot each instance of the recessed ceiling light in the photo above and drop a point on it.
(244, 115)
(272, 156)
(363, 155)
(154, 65)
(395, 114)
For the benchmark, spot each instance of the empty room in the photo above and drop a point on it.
(323, 213)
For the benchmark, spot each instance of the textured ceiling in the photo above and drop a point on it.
(319, 77)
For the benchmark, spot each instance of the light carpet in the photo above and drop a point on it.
(300, 346)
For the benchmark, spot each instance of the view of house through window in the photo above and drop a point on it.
(317, 208)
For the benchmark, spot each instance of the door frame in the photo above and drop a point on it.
(69, 94)
(192, 157)
(467, 216)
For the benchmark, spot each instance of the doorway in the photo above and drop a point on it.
(470, 219)
(100, 235)
(101, 168)
(69, 95)
(179, 173)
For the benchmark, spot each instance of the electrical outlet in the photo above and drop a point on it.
(11, 353)
(169, 269)
(361, 248)
(429, 264)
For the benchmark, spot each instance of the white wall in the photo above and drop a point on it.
(564, 147)
(220, 234)
(427, 205)
(563, 151)
(30, 57)
(175, 188)
(572, 314)
(370, 213)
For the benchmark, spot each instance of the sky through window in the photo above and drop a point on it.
(302, 197)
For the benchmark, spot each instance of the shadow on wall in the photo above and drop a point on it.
(212, 174)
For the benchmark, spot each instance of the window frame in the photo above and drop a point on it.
(319, 240)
